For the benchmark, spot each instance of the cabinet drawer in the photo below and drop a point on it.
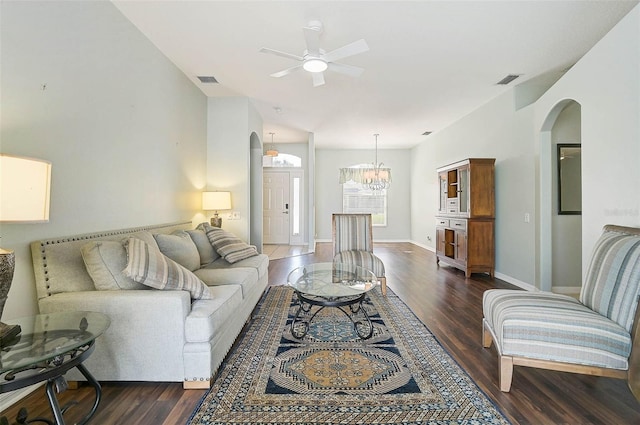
(443, 222)
(452, 206)
(458, 224)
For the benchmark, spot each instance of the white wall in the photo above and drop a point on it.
(124, 129)
(606, 83)
(328, 190)
(230, 123)
(495, 130)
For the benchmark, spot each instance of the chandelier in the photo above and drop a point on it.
(272, 151)
(376, 178)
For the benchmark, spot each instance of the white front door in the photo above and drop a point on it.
(276, 205)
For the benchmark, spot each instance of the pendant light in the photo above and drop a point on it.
(272, 151)
(378, 177)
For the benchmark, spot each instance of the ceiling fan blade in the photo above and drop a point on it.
(350, 70)
(279, 53)
(351, 49)
(312, 38)
(318, 79)
(286, 71)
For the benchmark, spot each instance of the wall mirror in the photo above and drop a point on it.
(569, 179)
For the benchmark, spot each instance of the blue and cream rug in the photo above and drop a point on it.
(401, 375)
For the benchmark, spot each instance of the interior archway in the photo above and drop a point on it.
(560, 236)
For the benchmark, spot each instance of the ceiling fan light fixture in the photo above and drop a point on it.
(315, 65)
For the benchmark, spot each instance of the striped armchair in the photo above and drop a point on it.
(352, 236)
(597, 335)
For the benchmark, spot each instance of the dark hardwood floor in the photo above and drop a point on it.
(450, 306)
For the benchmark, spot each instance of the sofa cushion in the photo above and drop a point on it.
(207, 254)
(243, 276)
(152, 268)
(180, 248)
(259, 262)
(207, 317)
(228, 245)
(105, 262)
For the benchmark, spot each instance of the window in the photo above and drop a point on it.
(282, 160)
(356, 198)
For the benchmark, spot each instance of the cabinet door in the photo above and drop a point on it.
(442, 179)
(461, 247)
(440, 241)
(463, 190)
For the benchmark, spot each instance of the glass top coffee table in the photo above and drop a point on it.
(336, 285)
(48, 347)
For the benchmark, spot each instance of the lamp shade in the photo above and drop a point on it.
(24, 189)
(215, 201)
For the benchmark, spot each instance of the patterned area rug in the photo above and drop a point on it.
(401, 375)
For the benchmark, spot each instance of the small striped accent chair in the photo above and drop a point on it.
(352, 236)
(597, 335)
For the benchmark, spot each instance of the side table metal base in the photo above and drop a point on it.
(56, 383)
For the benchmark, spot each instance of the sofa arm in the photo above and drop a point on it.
(145, 339)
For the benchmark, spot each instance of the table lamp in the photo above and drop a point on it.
(24, 197)
(216, 201)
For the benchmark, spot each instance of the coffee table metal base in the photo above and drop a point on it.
(304, 317)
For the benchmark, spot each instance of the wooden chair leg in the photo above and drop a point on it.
(487, 338)
(383, 285)
(506, 372)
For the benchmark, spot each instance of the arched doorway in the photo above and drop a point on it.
(560, 261)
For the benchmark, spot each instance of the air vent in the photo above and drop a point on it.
(426, 133)
(207, 80)
(509, 78)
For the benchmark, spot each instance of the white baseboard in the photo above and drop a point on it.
(421, 245)
(13, 397)
(520, 284)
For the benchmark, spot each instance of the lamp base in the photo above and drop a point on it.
(216, 221)
(8, 333)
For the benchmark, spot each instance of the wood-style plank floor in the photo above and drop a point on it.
(448, 304)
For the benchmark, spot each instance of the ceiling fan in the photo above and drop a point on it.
(315, 60)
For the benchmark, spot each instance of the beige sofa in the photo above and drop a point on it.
(155, 335)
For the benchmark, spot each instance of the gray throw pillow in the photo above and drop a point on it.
(105, 262)
(152, 268)
(180, 248)
(207, 254)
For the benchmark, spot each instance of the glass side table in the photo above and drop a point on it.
(49, 346)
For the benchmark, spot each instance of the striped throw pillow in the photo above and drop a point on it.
(150, 267)
(228, 245)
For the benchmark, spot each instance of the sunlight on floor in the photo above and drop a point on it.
(282, 251)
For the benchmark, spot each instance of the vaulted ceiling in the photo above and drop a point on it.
(429, 63)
